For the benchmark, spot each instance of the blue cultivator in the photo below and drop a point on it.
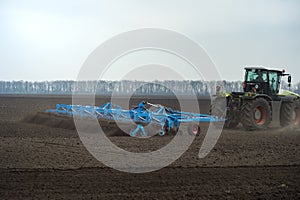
(166, 118)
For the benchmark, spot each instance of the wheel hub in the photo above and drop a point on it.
(260, 115)
(296, 116)
(195, 129)
(257, 114)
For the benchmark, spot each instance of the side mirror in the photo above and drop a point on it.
(289, 80)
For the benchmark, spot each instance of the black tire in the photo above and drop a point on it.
(230, 124)
(218, 109)
(249, 117)
(296, 114)
(286, 113)
(194, 129)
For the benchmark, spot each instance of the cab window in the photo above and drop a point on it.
(256, 75)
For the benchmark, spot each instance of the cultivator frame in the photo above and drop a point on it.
(145, 113)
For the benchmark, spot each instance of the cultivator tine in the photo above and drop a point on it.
(138, 128)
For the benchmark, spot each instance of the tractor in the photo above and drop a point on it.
(261, 104)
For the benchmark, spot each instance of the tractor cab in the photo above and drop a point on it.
(263, 81)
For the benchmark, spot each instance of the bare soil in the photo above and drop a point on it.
(40, 158)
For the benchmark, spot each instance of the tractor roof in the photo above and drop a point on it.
(263, 68)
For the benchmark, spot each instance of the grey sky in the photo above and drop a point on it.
(50, 39)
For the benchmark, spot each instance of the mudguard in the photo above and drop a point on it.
(289, 93)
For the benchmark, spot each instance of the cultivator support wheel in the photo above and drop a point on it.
(194, 129)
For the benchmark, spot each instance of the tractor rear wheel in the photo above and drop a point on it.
(286, 113)
(296, 114)
(230, 124)
(256, 114)
(218, 109)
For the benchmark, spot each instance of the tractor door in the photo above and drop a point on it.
(274, 81)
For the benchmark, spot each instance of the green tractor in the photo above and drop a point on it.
(261, 104)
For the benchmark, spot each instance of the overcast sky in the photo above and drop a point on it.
(50, 39)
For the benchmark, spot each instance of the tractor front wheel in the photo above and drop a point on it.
(256, 114)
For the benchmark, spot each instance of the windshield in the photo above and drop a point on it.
(256, 75)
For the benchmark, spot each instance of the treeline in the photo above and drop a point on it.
(122, 87)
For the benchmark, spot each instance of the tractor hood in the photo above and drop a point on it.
(288, 93)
